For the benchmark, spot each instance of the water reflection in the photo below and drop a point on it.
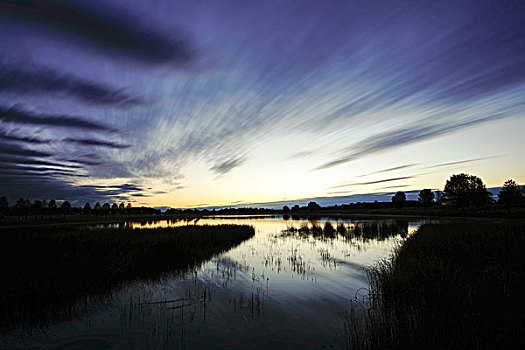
(285, 287)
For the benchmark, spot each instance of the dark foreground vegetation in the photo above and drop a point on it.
(45, 269)
(449, 286)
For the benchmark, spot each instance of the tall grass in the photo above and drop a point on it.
(449, 286)
(44, 269)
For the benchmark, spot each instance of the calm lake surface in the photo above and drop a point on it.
(279, 289)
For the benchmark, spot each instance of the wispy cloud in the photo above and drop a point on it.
(49, 82)
(400, 167)
(23, 139)
(227, 166)
(95, 142)
(31, 161)
(15, 150)
(390, 187)
(119, 33)
(405, 136)
(466, 161)
(20, 116)
(339, 192)
(373, 182)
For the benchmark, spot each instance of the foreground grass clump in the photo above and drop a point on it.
(449, 286)
(44, 269)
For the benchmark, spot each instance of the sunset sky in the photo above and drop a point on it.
(229, 102)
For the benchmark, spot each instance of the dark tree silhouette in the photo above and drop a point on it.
(511, 194)
(114, 208)
(313, 206)
(426, 196)
(52, 207)
(286, 209)
(296, 208)
(65, 208)
(38, 208)
(21, 205)
(97, 208)
(399, 199)
(128, 206)
(4, 206)
(106, 208)
(121, 208)
(464, 190)
(87, 208)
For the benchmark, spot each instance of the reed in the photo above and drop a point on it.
(45, 268)
(447, 286)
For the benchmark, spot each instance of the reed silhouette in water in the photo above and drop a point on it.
(45, 269)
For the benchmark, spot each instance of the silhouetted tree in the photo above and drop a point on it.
(52, 207)
(128, 206)
(426, 196)
(97, 208)
(286, 209)
(45, 208)
(296, 208)
(65, 208)
(114, 208)
(464, 190)
(511, 194)
(313, 206)
(121, 208)
(399, 199)
(105, 208)
(87, 209)
(38, 208)
(21, 206)
(4, 206)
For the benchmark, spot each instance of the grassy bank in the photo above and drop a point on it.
(55, 220)
(45, 268)
(449, 286)
(433, 211)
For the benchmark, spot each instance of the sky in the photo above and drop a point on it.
(230, 102)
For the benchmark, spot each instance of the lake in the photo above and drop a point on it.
(287, 287)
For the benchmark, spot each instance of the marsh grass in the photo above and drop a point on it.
(44, 269)
(364, 230)
(449, 286)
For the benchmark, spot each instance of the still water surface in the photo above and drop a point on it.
(279, 289)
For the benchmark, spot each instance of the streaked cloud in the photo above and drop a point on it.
(405, 136)
(19, 116)
(399, 167)
(23, 139)
(48, 82)
(460, 162)
(97, 143)
(373, 182)
(226, 166)
(96, 25)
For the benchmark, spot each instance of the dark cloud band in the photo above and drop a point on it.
(111, 31)
(98, 143)
(19, 116)
(46, 81)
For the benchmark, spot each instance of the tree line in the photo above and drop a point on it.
(25, 208)
(464, 190)
(461, 191)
